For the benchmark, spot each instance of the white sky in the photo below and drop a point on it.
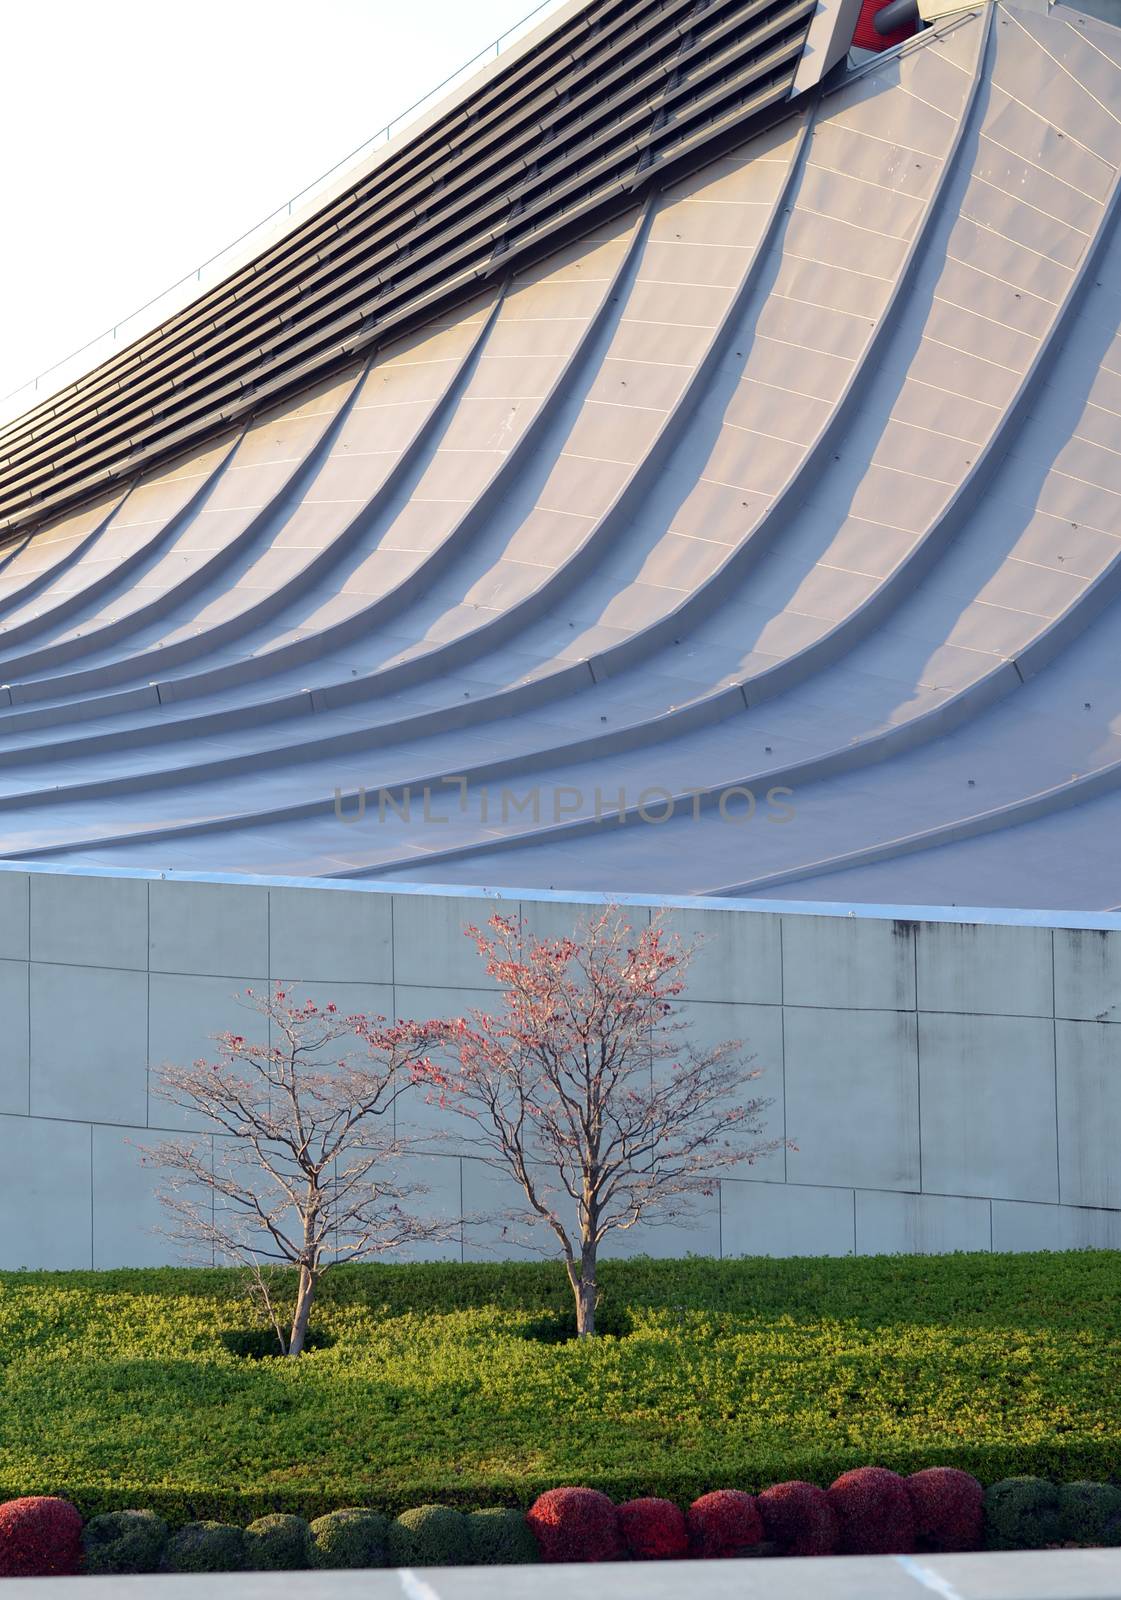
(141, 136)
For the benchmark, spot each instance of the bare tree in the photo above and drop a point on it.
(585, 1088)
(303, 1173)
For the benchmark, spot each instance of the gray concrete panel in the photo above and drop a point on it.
(1038, 1227)
(438, 1184)
(963, 967)
(88, 1043)
(852, 1098)
(15, 1048)
(183, 1014)
(99, 922)
(193, 930)
(340, 938)
(826, 963)
(790, 1219)
(735, 958)
(757, 1033)
(429, 943)
(1088, 1079)
(15, 899)
(920, 1224)
(419, 1114)
(988, 1106)
(1087, 975)
(497, 1221)
(128, 1219)
(46, 1215)
(695, 1232)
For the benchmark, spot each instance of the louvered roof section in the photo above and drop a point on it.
(621, 93)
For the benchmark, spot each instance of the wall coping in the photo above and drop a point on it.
(986, 916)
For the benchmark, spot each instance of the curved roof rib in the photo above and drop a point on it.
(800, 472)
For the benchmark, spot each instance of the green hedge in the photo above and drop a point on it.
(1019, 1514)
(278, 1543)
(352, 1537)
(205, 1547)
(124, 1542)
(500, 1537)
(427, 1389)
(429, 1536)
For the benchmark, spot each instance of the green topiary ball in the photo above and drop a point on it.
(277, 1543)
(500, 1538)
(1022, 1514)
(124, 1541)
(429, 1536)
(1090, 1513)
(353, 1537)
(205, 1547)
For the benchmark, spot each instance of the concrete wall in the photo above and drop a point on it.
(949, 1085)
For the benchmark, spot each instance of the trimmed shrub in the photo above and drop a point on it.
(575, 1525)
(205, 1547)
(949, 1509)
(40, 1537)
(1090, 1513)
(723, 1523)
(874, 1512)
(798, 1519)
(277, 1543)
(654, 1530)
(1022, 1514)
(499, 1537)
(429, 1536)
(120, 1542)
(353, 1537)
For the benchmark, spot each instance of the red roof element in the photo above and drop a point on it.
(866, 37)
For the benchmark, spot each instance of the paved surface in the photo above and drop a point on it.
(804, 476)
(1046, 1575)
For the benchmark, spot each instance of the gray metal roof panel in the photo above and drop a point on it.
(823, 497)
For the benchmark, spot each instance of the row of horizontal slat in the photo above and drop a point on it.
(616, 95)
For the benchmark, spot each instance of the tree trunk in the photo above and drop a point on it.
(587, 1294)
(304, 1296)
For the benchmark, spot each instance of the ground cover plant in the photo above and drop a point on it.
(120, 1390)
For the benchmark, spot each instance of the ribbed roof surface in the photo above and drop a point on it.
(804, 474)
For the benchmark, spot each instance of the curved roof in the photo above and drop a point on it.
(803, 474)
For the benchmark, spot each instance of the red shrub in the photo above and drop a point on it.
(874, 1511)
(654, 1530)
(39, 1538)
(949, 1508)
(799, 1519)
(575, 1525)
(723, 1523)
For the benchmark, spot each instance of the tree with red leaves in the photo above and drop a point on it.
(302, 1173)
(585, 1088)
